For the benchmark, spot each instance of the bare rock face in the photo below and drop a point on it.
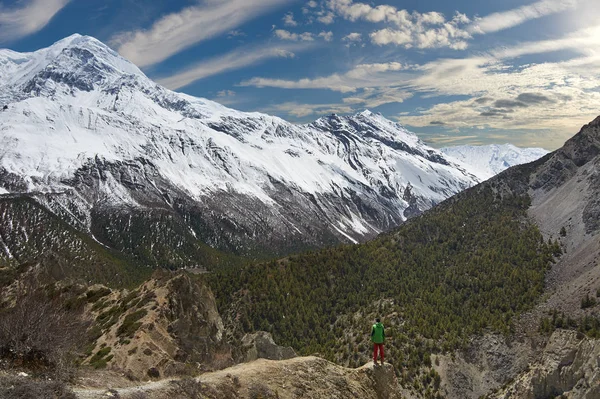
(261, 345)
(569, 367)
(489, 362)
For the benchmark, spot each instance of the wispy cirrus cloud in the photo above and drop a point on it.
(30, 18)
(301, 110)
(507, 19)
(237, 59)
(496, 92)
(361, 76)
(177, 31)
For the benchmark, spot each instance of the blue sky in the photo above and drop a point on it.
(459, 72)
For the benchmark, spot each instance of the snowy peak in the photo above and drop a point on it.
(65, 53)
(76, 62)
(367, 126)
(489, 160)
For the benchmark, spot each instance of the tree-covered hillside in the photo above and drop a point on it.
(465, 267)
(123, 249)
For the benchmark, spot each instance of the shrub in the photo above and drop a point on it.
(94, 295)
(130, 323)
(25, 387)
(38, 333)
(587, 302)
(101, 358)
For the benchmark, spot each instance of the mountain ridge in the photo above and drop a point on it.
(89, 129)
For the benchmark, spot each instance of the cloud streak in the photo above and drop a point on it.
(176, 32)
(507, 19)
(32, 17)
(286, 35)
(233, 60)
(362, 76)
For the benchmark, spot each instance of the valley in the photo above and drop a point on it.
(200, 251)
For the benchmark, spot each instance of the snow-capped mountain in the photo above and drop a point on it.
(91, 138)
(486, 161)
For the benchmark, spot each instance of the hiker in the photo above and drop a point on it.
(378, 337)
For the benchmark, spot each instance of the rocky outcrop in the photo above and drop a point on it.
(169, 326)
(300, 377)
(569, 366)
(488, 363)
(261, 345)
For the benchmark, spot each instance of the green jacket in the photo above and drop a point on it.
(377, 333)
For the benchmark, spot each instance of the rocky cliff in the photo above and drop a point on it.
(567, 367)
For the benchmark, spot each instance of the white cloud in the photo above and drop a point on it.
(34, 15)
(288, 20)
(295, 37)
(374, 97)
(326, 18)
(353, 37)
(178, 31)
(312, 4)
(327, 36)
(235, 33)
(508, 19)
(226, 93)
(432, 29)
(421, 30)
(233, 60)
(392, 36)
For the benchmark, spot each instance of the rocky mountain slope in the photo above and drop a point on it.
(542, 359)
(486, 161)
(144, 170)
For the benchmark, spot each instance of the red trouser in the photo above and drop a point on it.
(377, 347)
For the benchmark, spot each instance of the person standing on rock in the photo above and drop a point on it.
(378, 338)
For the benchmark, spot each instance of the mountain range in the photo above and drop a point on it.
(92, 140)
